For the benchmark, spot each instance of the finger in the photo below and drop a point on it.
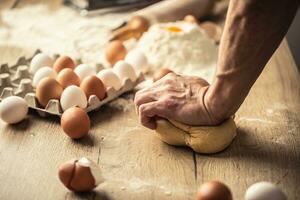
(147, 113)
(142, 98)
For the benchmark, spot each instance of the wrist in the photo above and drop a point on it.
(218, 102)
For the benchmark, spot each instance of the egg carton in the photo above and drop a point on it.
(16, 80)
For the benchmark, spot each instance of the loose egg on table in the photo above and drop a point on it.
(214, 190)
(115, 51)
(137, 60)
(40, 60)
(92, 85)
(73, 96)
(67, 77)
(47, 89)
(264, 191)
(43, 73)
(110, 79)
(75, 122)
(84, 70)
(63, 62)
(13, 109)
(124, 71)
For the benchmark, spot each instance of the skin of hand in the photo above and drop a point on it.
(174, 97)
(252, 32)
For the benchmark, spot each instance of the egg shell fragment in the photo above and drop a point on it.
(40, 60)
(124, 70)
(109, 78)
(43, 73)
(13, 109)
(84, 70)
(73, 96)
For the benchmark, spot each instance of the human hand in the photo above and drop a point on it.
(176, 97)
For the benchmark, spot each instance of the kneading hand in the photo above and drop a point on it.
(176, 97)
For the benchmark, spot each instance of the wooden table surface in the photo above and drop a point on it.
(137, 165)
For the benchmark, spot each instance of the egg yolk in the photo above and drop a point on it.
(173, 29)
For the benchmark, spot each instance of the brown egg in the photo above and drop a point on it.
(48, 88)
(161, 73)
(67, 77)
(63, 62)
(214, 190)
(115, 51)
(92, 85)
(80, 175)
(191, 19)
(75, 122)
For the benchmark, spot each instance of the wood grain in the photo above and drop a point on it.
(267, 147)
(136, 165)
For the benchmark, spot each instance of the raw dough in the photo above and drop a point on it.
(202, 139)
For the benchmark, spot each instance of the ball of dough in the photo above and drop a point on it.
(202, 139)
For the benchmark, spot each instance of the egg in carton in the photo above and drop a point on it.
(17, 80)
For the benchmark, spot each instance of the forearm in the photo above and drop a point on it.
(252, 32)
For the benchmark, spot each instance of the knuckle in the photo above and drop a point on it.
(170, 103)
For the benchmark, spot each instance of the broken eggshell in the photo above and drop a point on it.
(80, 175)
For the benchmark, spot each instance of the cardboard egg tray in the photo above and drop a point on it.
(17, 80)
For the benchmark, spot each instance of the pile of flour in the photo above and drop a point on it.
(188, 52)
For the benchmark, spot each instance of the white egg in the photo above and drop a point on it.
(13, 109)
(124, 70)
(40, 60)
(43, 73)
(84, 70)
(109, 79)
(138, 60)
(264, 191)
(73, 96)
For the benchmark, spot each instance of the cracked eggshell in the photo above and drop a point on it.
(43, 73)
(84, 70)
(13, 109)
(137, 60)
(109, 79)
(73, 96)
(124, 70)
(80, 175)
(40, 60)
(264, 191)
